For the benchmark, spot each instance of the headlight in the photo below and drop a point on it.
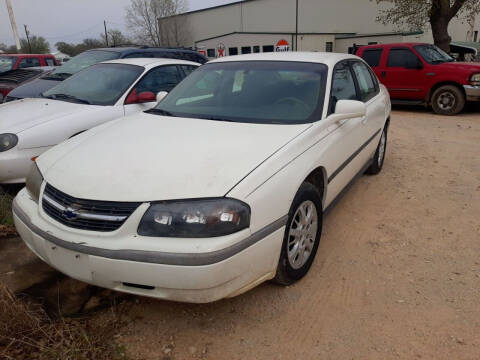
(195, 218)
(475, 80)
(8, 141)
(34, 182)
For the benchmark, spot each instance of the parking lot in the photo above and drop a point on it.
(397, 274)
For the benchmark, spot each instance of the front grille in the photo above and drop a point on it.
(83, 214)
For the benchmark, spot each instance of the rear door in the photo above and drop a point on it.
(402, 80)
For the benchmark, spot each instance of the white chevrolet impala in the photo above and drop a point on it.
(220, 187)
(98, 94)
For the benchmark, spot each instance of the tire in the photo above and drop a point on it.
(379, 157)
(448, 100)
(298, 251)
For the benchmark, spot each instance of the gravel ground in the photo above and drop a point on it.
(397, 274)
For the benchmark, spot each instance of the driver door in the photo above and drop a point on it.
(143, 95)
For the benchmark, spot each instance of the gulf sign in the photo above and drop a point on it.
(282, 46)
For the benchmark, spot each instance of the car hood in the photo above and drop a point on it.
(33, 89)
(21, 115)
(149, 157)
(468, 67)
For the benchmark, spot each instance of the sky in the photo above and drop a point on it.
(72, 20)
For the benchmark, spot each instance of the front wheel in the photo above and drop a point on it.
(302, 236)
(448, 100)
(379, 157)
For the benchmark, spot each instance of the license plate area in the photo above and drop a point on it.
(73, 264)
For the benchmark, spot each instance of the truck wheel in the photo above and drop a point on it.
(302, 236)
(448, 100)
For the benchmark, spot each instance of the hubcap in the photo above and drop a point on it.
(381, 149)
(446, 101)
(302, 234)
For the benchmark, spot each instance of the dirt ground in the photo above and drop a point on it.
(397, 274)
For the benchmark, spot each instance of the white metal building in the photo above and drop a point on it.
(316, 25)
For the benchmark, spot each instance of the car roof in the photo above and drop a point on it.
(408, 44)
(129, 49)
(27, 55)
(327, 58)
(150, 62)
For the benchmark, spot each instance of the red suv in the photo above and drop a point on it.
(424, 74)
(21, 61)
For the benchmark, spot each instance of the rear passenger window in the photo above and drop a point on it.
(401, 57)
(372, 57)
(343, 85)
(366, 83)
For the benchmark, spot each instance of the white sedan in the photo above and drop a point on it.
(220, 187)
(100, 93)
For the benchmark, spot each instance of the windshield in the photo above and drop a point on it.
(6, 63)
(80, 62)
(433, 54)
(271, 92)
(101, 84)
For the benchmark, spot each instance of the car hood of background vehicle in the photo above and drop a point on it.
(33, 89)
(17, 116)
(149, 157)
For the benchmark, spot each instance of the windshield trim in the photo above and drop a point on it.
(317, 114)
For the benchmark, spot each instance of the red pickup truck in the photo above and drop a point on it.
(22, 61)
(417, 73)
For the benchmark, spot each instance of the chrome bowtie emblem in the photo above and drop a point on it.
(70, 213)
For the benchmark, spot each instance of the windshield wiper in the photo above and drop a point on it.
(160, 112)
(215, 118)
(57, 76)
(67, 97)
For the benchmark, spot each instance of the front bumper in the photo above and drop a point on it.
(15, 164)
(188, 277)
(472, 92)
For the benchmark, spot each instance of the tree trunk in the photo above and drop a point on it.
(441, 37)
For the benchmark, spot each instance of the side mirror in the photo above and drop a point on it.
(161, 95)
(143, 97)
(348, 109)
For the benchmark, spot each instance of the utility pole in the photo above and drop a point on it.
(28, 39)
(106, 33)
(13, 23)
(296, 27)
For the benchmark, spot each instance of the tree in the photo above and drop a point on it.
(416, 14)
(156, 22)
(75, 49)
(38, 45)
(115, 38)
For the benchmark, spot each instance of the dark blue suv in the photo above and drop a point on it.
(35, 88)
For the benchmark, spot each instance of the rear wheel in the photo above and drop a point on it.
(448, 100)
(302, 236)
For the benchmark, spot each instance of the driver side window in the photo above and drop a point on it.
(343, 85)
(163, 78)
